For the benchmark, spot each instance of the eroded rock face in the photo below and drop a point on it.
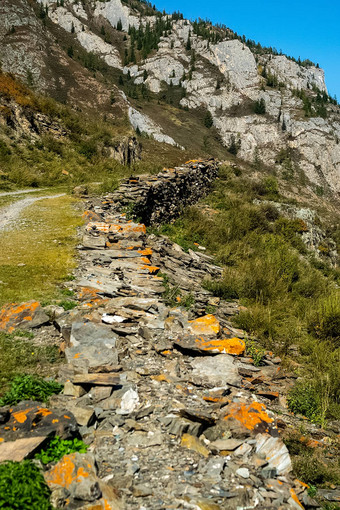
(236, 62)
(144, 124)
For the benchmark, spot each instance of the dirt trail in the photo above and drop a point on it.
(11, 212)
(20, 192)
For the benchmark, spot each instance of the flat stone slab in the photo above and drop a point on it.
(22, 316)
(276, 453)
(134, 303)
(206, 326)
(31, 419)
(88, 333)
(92, 343)
(21, 448)
(97, 379)
(208, 346)
(246, 419)
(225, 445)
(215, 371)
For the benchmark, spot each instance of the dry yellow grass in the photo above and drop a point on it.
(40, 253)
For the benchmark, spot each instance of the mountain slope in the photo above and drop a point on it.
(115, 58)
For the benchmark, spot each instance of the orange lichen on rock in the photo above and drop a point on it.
(161, 378)
(146, 252)
(249, 415)
(234, 346)
(14, 312)
(21, 416)
(206, 325)
(65, 473)
(145, 260)
(43, 411)
(295, 498)
(151, 269)
(114, 228)
(90, 216)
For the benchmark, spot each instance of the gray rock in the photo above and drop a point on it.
(243, 472)
(215, 371)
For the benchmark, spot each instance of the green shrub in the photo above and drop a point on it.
(22, 487)
(57, 448)
(311, 468)
(304, 399)
(256, 352)
(325, 322)
(68, 305)
(260, 107)
(27, 387)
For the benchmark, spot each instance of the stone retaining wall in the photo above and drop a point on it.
(160, 199)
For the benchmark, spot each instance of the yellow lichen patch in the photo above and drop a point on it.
(227, 346)
(249, 415)
(192, 443)
(302, 483)
(86, 293)
(42, 411)
(90, 216)
(295, 498)
(65, 473)
(12, 312)
(161, 378)
(145, 260)
(101, 226)
(207, 325)
(146, 251)
(1, 439)
(217, 400)
(166, 353)
(151, 269)
(21, 416)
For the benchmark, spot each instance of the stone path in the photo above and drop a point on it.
(174, 412)
(11, 212)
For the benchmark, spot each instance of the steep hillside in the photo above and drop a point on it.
(170, 75)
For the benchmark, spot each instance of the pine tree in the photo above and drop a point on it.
(72, 28)
(188, 46)
(260, 106)
(120, 25)
(208, 120)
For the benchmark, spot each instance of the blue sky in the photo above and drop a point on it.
(309, 29)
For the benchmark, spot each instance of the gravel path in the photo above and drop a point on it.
(20, 192)
(11, 212)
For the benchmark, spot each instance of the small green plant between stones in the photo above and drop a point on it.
(255, 352)
(58, 447)
(28, 387)
(22, 487)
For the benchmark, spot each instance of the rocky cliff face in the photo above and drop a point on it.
(297, 128)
